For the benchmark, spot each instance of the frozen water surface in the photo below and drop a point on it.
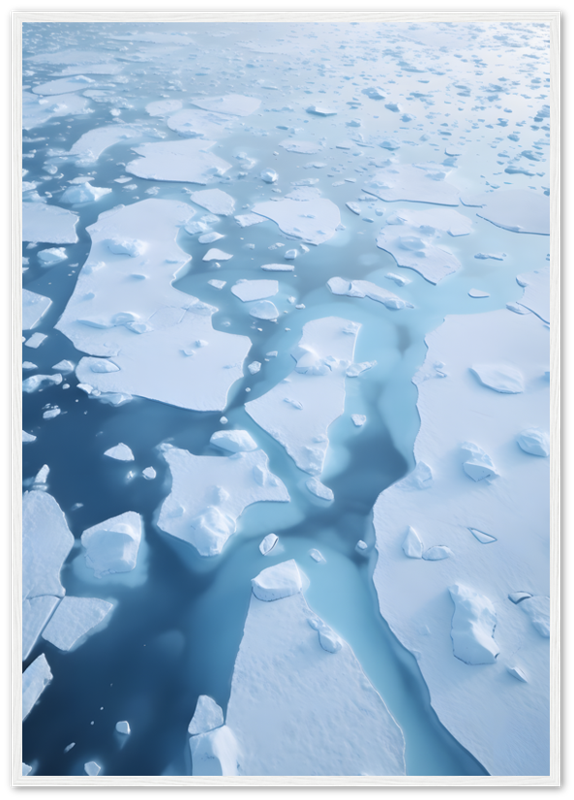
(267, 419)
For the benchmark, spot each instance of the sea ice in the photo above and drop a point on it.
(234, 441)
(342, 286)
(303, 214)
(46, 542)
(437, 553)
(214, 200)
(149, 473)
(237, 105)
(254, 367)
(319, 489)
(415, 248)
(162, 108)
(296, 146)
(255, 290)
(112, 546)
(209, 494)
(536, 297)
(477, 464)
(37, 111)
(83, 193)
(268, 543)
(518, 210)
(207, 716)
(535, 442)
(92, 768)
(44, 223)
(477, 293)
(264, 309)
(213, 254)
(35, 382)
(412, 545)
(215, 752)
(473, 625)
(121, 452)
(74, 618)
(90, 146)
(358, 420)
(28, 437)
(35, 341)
(36, 612)
(500, 377)
(34, 680)
(291, 667)
(413, 182)
(123, 727)
(441, 219)
(537, 608)
(51, 256)
(34, 306)
(72, 83)
(278, 267)
(317, 384)
(189, 161)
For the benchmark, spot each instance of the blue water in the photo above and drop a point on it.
(178, 624)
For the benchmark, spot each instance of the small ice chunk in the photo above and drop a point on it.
(517, 673)
(268, 543)
(36, 340)
(128, 247)
(473, 625)
(400, 280)
(358, 420)
(518, 597)
(493, 256)
(321, 111)
(69, 747)
(214, 200)
(217, 284)
(92, 768)
(64, 366)
(437, 553)
(535, 442)
(51, 256)
(41, 478)
(28, 437)
(477, 293)
(55, 411)
(317, 556)
(121, 452)
(74, 618)
(149, 473)
(477, 464)
(361, 547)
(278, 267)
(34, 306)
(123, 727)
(537, 609)
(83, 193)
(234, 441)
(35, 382)
(254, 367)
(277, 582)
(319, 489)
(29, 365)
(26, 769)
(500, 377)
(483, 538)
(412, 545)
(290, 255)
(213, 254)
(207, 716)
(112, 546)
(255, 290)
(264, 309)
(269, 176)
(209, 237)
(34, 680)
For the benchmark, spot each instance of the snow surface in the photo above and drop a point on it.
(286, 708)
(503, 722)
(189, 161)
(418, 183)
(215, 752)
(125, 307)
(34, 680)
(214, 200)
(209, 494)
(255, 290)
(73, 83)
(518, 210)
(298, 413)
(234, 104)
(73, 619)
(90, 146)
(51, 256)
(415, 248)
(34, 306)
(112, 546)
(44, 223)
(303, 214)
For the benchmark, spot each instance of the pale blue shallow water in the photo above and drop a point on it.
(176, 635)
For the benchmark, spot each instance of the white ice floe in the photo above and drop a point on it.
(206, 717)
(237, 105)
(421, 184)
(213, 254)
(536, 297)
(149, 473)
(203, 124)
(473, 626)
(303, 214)
(416, 248)
(264, 309)
(412, 545)
(441, 219)
(35, 341)
(291, 667)
(518, 210)
(342, 286)
(269, 176)
(123, 726)
(217, 284)
(214, 200)
(189, 161)
(254, 367)
(535, 442)
(274, 583)
(234, 441)
(112, 546)
(358, 420)
(209, 494)
(44, 223)
(317, 385)
(400, 280)
(34, 680)
(36, 111)
(64, 366)
(46, 542)
(51, 256)
(278, 267)
(268, 543)
(478, 293)
(83, 193)
(26, 769)
(476, 702)
(72, 83)
(215, 752)
(297, 146)
(319, 489)
(125, 307)
(321, 111)
(162, 108)
(317, 556)
(493, 256)
(36, 611)
(537, 609)
(28, 437)
(121, 452)
(476, 463)
(74, 618)
(246, 220)
(34, 306)
(255, 290)
(90, 146)
(502, 378)
(92, 768)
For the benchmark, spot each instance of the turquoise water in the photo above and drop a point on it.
(177, 628)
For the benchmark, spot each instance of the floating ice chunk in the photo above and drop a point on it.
(517, 210)
(500, 377)
(255, 290)
(291, 255)
(121, 452)
(410, 182)
(375, 93)
(45, 223)
(278, 267)
(84, 193)
(354, 207)
(162, 108)
(217, 284)
(112, 546)
(64, 366)
(269, 176)
(55, 411)
(295, 146)
(28, 437)
(357, 369)
(36, 612)
(128, 247)
(149, 473)
(517, 673)
(74, 83)
(477, 464)
(412, 545)
(41, 478)
(317, 556)
(358, 420)
(493, 256)
(518, 597)
(246, 220)
(414, 247)
(264, 309)
(34, 306)
(29, 365)
(281, 580)
(233, 441)
(237, 105)
(123, 727)
(51, 256)
(268, 543)
(213, 254)
(92, 768)
(442, 219)
(254, 367)
(321, 111)
(477, 293)
(208, 238)
(26, 769)
(36, 111)
(319, 489)
(215, 752)
(304, 215)
(473, 625)
(390, 144)
(207, 716)
(400, 280)
(214, 200)
(483, 538)
(74, 618)
(537, 608)
(35, 382)
(187, 161)
(342, 286)
(34, 680)
(36, 340)
(535, 442)
(437, 553)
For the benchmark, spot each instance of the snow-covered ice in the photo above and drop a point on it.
(473, 626)
(123, 726)
(303, 213)
(359, 288)
(34, 306)
(44, 223)
(206, 717)
(34, 680)
(234, 104)
(268, 543)
(214, 200)
(535, 442)
(518, 210)
(74, 618)
(120, 452)
(255, 290)
(502, 378)
(189, 161)
(233, 441)
(112, 546)
(419, 183)
(51, 256)
(264, 309)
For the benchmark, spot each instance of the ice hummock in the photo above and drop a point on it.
(473, 625)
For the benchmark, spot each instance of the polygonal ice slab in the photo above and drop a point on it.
(299, 412)
(112, 546)
(518, 210)
(209, 494)
(89, 147)
(34, 680)
(214, 200)
(342, 286)
(300, 703)
(238, 105)
(254, 290)
(36, 111)
(303, 214)
(46, 542)
(36, 612)
(189, 161)
(422, 184)
(74, 618)
(44, 223)
(34, 306)
(415, 248)
(74, 83)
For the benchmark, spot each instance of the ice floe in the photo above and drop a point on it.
(268, 543)
(35, 341)
(419, 183)
(214, 200)
(315, 393)
(206, 717)
(34, 306)
(319, 489)
(34, 680)
(121, 452)
(255, 290)
(303, 213)
(125, 307)
(342, 286)
(44, 223)
(358, 420)
(265, 310)
(512, 508)
(90, 146)
(83, 193)
(209, 494)
(237, 105)
(72, 83)
(51, 256)
(518, 210)
(535, 442)
(233, 441)
(215, 752)
(36, 111)
(536, 297)
(92, 768)
(73, 619)
(189, 161)
(112, 546)
(290, 667)
(213, 254)
(478, 293)
(476, 463)
(415, 248)
(297, 146)
(123, 726)
(278, 267)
